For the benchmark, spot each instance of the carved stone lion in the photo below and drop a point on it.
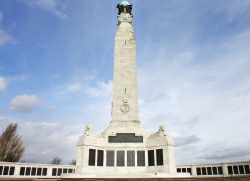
(162, 129)
(160, 132)
(88, 131)
(88, 127)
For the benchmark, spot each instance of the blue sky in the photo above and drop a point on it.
(193, 58)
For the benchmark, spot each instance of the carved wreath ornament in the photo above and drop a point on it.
(125, 108)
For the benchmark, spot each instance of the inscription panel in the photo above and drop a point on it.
(39, 171)
(141, 158)
(110, 158)
(121, 158)
(130, 158)
(159, 157)
(33, 171)
(12, 170)
(22, 169)
(91, 157)
(6, 170)
(100, 158)
(59, 171)
(44, 171)
(151, 158)
(125, 138)
(54, 171)
(27, 171)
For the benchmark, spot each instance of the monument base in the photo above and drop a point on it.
(125, 149)
(136, 175)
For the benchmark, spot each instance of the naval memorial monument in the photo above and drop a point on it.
(125, 147)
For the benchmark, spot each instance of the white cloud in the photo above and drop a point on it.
(86, 107)
(4, 36)
(52, 108)
(184, 140)
(101, 90)
(75, 87)
(51, 6)
(4, 81)
(43, 139)
(55, 138)
(200, 99)
(16, 78)
(24, 103)
(3, 84)
(229, 153)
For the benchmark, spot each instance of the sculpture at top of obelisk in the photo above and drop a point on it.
(124, 12)
(125, 94)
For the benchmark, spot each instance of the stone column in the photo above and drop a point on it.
(49, 171)
(96, 153)
(135, 158)
(146, 158)
(193, 170)
(115, 158)
(17, 170)
(224, 169)
(155, 157)
(125, 158)
(104, 158)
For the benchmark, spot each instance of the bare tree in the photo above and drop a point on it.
(56, 161)
(11, 145)
(73, 162)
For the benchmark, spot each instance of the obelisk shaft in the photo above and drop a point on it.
(125, 93)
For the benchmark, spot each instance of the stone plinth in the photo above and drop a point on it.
(144, 175)
(140, 151)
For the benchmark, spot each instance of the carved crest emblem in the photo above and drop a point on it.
(125, 108)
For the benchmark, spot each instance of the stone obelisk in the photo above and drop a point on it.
(125, 93)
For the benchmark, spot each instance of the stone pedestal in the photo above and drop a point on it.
(125, 147)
